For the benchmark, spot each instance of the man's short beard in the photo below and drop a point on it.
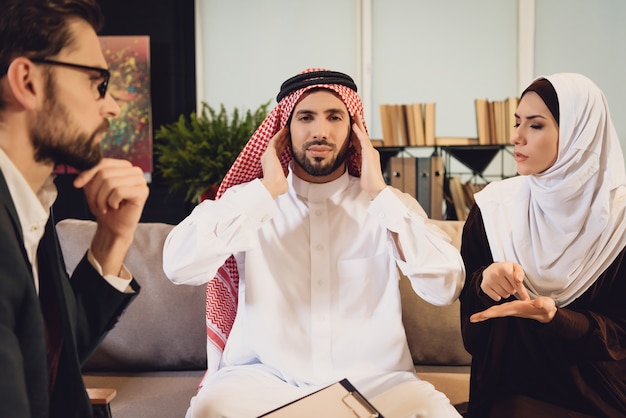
(79, 153)
(314, 168)
(55, 138)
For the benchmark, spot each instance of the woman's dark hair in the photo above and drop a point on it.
(546, 91)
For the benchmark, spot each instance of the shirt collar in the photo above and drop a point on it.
(317, 192)
(32, 209)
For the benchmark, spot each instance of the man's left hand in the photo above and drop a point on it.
(372, 180)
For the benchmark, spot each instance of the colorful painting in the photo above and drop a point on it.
(130, 134)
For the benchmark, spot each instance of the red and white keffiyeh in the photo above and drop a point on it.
(221, 292)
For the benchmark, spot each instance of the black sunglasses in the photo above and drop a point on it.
(104, 73)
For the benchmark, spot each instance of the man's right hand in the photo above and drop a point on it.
(273, 174)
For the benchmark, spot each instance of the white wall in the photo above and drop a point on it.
(587, 37)
(446, 51)
(249, 47)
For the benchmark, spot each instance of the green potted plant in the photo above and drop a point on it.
(194, 153)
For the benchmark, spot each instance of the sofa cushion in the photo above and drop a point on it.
(434, 332)
(163, 328)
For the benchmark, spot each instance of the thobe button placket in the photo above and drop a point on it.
(320, 289)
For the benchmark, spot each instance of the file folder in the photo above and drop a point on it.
(415, 176)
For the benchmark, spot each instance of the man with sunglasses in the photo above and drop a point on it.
(54, 108)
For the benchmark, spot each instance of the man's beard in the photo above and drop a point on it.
(56, 139)
(316, 167)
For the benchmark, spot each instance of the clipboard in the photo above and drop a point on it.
(339, 400)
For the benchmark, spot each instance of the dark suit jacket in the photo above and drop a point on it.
(89, 307)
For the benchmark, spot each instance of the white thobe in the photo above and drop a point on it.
(318, 292)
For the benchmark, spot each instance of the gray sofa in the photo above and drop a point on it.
(155, 356)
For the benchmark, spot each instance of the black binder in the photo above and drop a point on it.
(423, 183)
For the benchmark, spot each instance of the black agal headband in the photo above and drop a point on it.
(314, 78)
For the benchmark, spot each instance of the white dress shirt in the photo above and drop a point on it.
(318, 292)
(33, 211)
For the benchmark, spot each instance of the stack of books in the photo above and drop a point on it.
(408, 125)
(413, 125)
(495, 120)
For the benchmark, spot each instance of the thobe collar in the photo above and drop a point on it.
(317, 192)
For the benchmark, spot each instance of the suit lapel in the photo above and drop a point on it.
(51, 272)
(7, 201)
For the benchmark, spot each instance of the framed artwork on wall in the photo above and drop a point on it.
(130, 133)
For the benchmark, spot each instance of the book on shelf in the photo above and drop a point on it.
(409, 117)
(504, 131)
(468, 194)
(403, 124)
(482, 121)
(511, 108)
(387, 123)
(469, 189)
(495, 120)
(492, 123)
(418, 116)
(455, 140)
(458, 199)
(498, 107)
(429, 124)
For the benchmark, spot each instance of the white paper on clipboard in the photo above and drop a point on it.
(339, 400)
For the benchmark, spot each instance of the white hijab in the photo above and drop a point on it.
(566, 225)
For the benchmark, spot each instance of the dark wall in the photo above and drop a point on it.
(170, 25)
